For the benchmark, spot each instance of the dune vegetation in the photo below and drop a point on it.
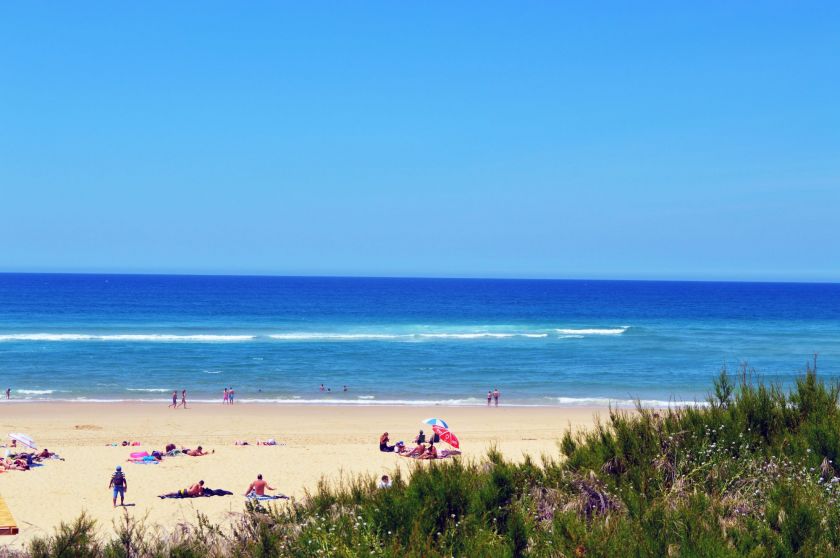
(753, 472)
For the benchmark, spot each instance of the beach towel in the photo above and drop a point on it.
(148, 460)
(266, 497)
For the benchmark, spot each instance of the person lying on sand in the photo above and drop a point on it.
(196, 489)
(258, 487)
(418, 450)
(197, 452)
(15, 465)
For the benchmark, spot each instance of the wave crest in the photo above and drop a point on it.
(593, 331)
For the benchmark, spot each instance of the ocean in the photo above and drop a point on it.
(403, 341)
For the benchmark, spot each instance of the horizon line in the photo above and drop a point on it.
(415, 277)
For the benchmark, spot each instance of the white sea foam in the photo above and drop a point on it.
(480, 335)
(605, 401)
(315, 336)
(35, 391)
(154, 337)
(367, 397)
(593, 331)
(150, 390)
(337, 336)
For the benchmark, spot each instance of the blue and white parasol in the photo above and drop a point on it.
(436, 422)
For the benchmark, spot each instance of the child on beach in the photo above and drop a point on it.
(174, 403)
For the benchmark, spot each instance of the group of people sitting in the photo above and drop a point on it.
(24, 461)
(420, 450)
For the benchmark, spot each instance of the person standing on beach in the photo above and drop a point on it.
(496, 396)
(8, 393)
(230, 395)
(489, 397)
(225, 397)
(174, 404)
(120, 484)
(184, 398)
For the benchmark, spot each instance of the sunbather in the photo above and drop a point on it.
(418, 450)
(194, 491)
(383, 443)
(258, 487)
(197, 452)
(430, 453)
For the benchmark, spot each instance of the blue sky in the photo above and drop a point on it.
(517, 139)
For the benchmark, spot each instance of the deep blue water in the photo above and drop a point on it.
(106, 337)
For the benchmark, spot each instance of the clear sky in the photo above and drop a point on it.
(525, 139)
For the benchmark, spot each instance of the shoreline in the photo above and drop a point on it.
(316, 442)
(569, 403)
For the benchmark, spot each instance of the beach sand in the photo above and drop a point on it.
(318, 442)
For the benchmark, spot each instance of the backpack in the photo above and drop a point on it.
(118, 479)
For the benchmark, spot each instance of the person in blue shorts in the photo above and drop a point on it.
(120, 484)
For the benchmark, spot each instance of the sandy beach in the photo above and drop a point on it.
(316, 442)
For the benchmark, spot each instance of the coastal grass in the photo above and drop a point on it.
(751, 473)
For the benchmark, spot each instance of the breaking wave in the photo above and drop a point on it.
(592, 331)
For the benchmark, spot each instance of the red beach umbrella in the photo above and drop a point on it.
(447, 436)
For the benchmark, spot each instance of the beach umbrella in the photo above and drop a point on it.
(23, 439)
(436, 422)
(447, 436)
